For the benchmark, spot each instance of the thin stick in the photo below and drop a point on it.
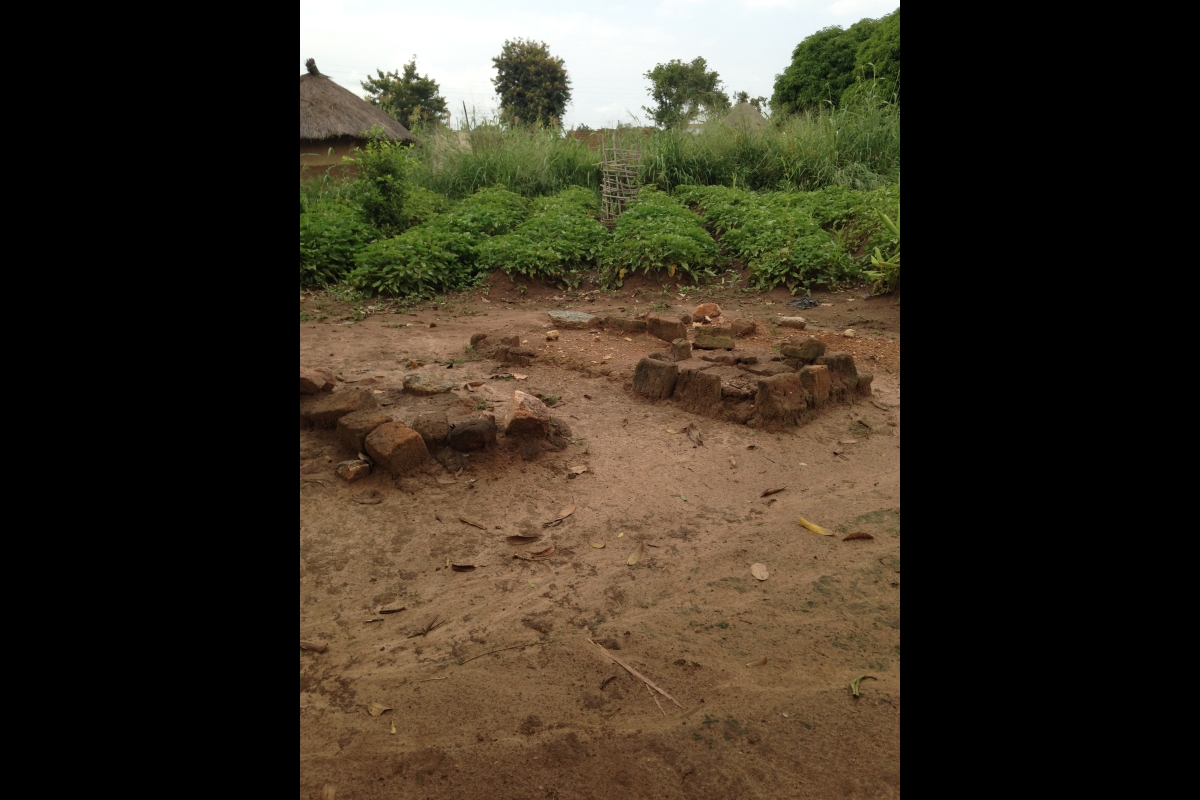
(427, 680)
(472, 524)
(636, 674)
(655, 699)
(498, 649)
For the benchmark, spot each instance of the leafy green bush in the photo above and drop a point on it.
(554, 246)
(798, 239)
(421, 262)
(422, 205)
(330, 239)
(382, 182)
(439, 255)
(657, 233)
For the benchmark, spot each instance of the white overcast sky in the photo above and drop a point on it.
(607, 46)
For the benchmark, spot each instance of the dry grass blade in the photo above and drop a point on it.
(472, 524)
(432, 624)
(497, 650)
(637, 674)
(655, 699)
(769, 492)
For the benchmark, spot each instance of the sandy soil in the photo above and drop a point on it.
(760, 670)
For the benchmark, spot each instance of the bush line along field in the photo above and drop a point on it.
(797, 205)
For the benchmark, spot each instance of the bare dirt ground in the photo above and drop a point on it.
(761, 670)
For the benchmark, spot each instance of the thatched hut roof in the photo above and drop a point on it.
(327, 111)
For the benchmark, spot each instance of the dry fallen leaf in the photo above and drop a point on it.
(628, 339)
(315, 646)
(597, 545)
(474, 383)
(521, 539)
(393, 726)
(519, 376)
(472, 524)
(378, 708)
(392, 609)
(772, 491)
(566, 512)
(578, 470)
(858, 535)
(814, 528)
(543, 553)
(619, 535)
(759, 571)
(758, 663)
(636, 555)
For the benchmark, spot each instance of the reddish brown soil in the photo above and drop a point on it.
(543, 720)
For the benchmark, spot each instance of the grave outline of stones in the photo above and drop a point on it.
(620, 167)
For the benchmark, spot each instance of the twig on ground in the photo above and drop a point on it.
(636, 674)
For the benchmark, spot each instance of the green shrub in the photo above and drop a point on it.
(382, 182)
(420, 262)
(655, 234)
(439, 255)
(422, 205)
(330, 239)
(554, 245)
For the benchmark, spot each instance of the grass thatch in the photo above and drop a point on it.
(327, 111)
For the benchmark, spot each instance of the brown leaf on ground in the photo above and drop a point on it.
(378, 708)
(636, 555)
(392, 609)
(772, 491)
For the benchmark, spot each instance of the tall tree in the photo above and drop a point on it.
(409, 98)
(822, 68)
(533, 85)
(682, 92)
(878, 59)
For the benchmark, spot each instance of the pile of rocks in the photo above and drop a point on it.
(760, 390)
(445, 435)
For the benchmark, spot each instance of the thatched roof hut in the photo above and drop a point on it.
(333, 121)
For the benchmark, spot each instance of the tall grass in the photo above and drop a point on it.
(857, 147)
(530, 162)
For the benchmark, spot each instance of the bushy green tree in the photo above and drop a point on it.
(533, 85)
(822, 68)
(408, 98)
(878, 60)
(682, 92)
